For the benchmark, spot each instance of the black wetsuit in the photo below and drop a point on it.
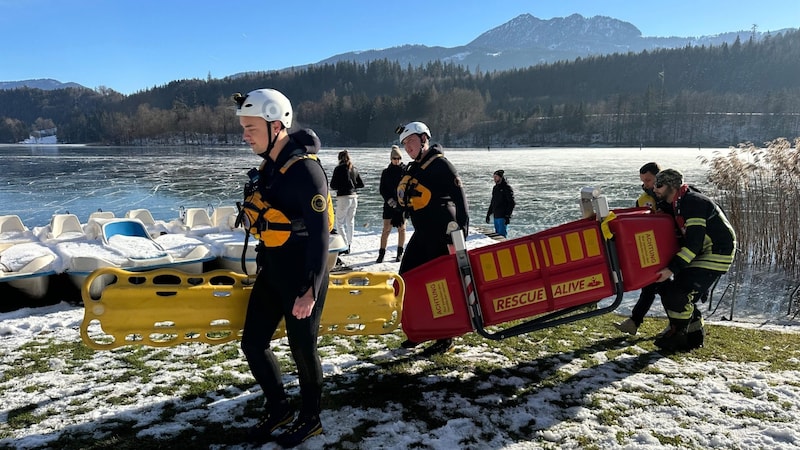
(430, 214)
(287, 272)
(390, 178)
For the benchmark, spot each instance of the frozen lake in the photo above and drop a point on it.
(41, 181)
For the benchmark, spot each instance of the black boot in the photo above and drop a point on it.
(381, 254)
(675, 337)
(695, 332)
(262, 431)
(399, 254)
(302, 429)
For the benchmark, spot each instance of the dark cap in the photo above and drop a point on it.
(669, 177)
(499, 173)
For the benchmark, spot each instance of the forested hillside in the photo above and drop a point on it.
(694, 96)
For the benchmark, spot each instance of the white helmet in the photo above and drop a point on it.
(268, 104)
(412, 128)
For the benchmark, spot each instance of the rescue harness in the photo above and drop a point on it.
(266, 223)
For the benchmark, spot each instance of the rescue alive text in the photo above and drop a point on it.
(578, 285)
(519, 299)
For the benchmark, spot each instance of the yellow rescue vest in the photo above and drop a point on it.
(270, 225)
(412, 195)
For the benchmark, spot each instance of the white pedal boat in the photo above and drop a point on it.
(25, 263)
(127, 244)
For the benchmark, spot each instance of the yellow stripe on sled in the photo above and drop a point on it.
(167, 307)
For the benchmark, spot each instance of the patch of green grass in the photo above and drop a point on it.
(745, 391)
(661, 398)
(22, 417)
(675, 441)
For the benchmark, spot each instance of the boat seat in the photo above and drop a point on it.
(224, 217)
(143, 215)
(101, 215)
(197, 218)
(133, 228)
(11, 223)
(65, 225)
(132, 238)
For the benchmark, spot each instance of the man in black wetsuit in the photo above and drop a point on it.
(292, 280)
(432, 194)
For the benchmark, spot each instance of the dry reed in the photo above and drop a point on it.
(759, 189)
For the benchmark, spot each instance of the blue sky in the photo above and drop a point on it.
(131, 45)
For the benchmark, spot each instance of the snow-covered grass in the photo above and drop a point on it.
(581, 385)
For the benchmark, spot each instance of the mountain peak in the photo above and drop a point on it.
(528, 31)
(45, 84)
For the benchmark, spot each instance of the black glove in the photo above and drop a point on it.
(488, 220)
(508, 220)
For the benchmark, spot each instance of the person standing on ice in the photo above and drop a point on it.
(432, 195)
(707, 248)
(345, 180)
(392, 212)
(647, 175)
(292, 279)
(502, 204)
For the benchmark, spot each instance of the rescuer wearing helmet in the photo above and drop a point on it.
(708, 246)
(292, 278)
(432, 195)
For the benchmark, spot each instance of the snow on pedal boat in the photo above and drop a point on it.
(25, 263)
(27, 266)
(13, 231)
(126, 243)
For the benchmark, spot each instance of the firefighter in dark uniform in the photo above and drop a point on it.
(708, 246)
(293, 279)
(432, 194)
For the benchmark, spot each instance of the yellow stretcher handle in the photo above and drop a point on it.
(167, 307)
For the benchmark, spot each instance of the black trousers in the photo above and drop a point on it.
(646, 298)
(271, 300)
(679, 294)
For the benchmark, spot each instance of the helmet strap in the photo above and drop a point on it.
(273, 138)
(422, 139)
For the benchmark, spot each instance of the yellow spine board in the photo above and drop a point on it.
(167, 307)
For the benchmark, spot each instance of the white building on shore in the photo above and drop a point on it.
(40, 137)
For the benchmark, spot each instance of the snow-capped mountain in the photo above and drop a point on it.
(527, 40)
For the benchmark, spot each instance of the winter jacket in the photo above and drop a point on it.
(502, 204)
(345, 181)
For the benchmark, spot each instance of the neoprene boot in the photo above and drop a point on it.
(278, 417)
(381, 254)
(399, 254)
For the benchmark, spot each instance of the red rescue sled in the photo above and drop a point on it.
(547, 276)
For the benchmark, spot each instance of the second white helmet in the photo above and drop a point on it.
(413, 128)
(269, 104)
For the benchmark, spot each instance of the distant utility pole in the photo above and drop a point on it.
(661, 77)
